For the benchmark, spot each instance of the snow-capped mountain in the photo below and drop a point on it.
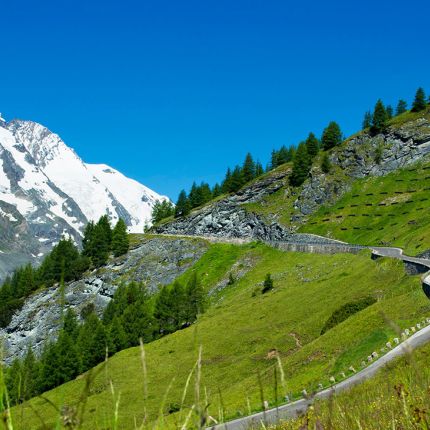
(47, 191)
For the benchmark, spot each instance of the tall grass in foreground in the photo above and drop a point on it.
(398, 398)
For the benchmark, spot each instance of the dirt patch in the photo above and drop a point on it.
(296, 339)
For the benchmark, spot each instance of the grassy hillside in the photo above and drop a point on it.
(397, 398)
(242, 333)
(391, 210)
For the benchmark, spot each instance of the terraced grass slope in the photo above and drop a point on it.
(241, 335)
(393, 210)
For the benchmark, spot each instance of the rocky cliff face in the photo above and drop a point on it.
(155, 262)
(228, 218)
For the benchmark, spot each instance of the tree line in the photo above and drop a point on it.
(131, 315)
(302, 156)
(63, 263)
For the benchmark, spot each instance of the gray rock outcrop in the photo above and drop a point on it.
(156, 261)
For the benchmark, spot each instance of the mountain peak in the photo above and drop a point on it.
(47, 186)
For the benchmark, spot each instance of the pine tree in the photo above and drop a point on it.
(183, 207)
(274, 162)
(117, 336)
(195, 299)
(101, 248)
(120, 239)
(236, 180)
(163, 312)
(367, 120)
(419, 103)
(331, 137)
(70, 324)
(325, 163)
(301, 166)
(389, 111)
(312, 145)
(248, 168)
(30, 373)
(68, 358)
(193, 196)
(104, 225)
(92, 342)
(379, 118)
(87, 241)
(216, 191)
(258, 169)
(137, 319)
(402, 107)
(14, 382)
(161, 210)
(50, 374)
(226, 184)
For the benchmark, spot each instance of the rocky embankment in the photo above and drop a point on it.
(228, 217)
(360, 156)
(156, 261)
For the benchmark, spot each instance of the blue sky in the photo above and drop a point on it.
(172, 91)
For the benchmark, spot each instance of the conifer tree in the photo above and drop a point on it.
(258, 169)
(379, 118)
(183, 207)
(120, 239)
(193, 196)
(367, 120)
(117, 336)
(419, 103)
(195, 299)
(163, 312)
(389, 111)
(14, 382)
(236, 180)
(248, 168)
(68, 358)
(402, 107)
(274, 162)
(325, 163)
(30, 374)
(70, 324)
(216, 191)
(312, 145)
(162, 209)
(87, 241)
(301, 166)
(104, 225)
(332, 136)
(226, 184)
(92, 342)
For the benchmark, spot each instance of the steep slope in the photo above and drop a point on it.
(47, 191)
(244, 332)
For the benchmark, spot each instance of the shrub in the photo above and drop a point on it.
(268, 284)
(347, 310)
